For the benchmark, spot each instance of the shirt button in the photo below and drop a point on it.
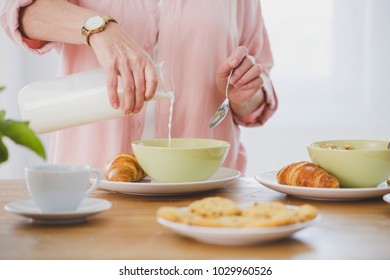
(136, 124)
(148, 45)
(153, 9)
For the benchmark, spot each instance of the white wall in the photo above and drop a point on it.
(18, 68)
(332, 80)
(331, 75)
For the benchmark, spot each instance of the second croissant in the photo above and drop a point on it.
(306, 174)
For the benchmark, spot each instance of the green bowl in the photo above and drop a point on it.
(182, 160)
(366, 165)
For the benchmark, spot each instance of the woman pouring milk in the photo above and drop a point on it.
(201, 41)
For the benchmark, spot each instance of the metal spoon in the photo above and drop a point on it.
(223, 109)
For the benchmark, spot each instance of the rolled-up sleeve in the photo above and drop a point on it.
(9, 20)
(255, 38)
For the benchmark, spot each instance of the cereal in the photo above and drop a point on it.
(332, 146)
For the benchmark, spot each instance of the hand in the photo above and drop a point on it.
(245, 92)
(120, 55)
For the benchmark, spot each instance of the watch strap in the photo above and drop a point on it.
(86, 33)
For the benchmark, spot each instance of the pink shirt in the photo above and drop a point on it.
(194, 38)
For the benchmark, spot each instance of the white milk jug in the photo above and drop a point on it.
(77, 99)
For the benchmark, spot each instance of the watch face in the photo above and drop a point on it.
(94, 22)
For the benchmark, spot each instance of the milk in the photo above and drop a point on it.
(72, 100)
(172, 100)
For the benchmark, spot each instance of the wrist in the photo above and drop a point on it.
(243, 109)
(94, 25)
(107, 36)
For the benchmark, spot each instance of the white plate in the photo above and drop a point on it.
(236, 236)
(28, 209)
(268, 179)
(221, 178)
(387, 198)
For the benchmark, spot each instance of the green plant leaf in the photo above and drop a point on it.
(21, 134)
(2, 88)
(2, 116)
(3, 151)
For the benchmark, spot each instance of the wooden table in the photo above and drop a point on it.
(347, 230)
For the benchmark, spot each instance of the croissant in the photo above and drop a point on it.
(306, 174)
(123, 168)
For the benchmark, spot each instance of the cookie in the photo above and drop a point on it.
(214, 207)
(263, 210)
(223, 212)
(175, 214)
(307, 212)
(234, 221)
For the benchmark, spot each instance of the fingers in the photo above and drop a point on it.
(245, 73)
(112, 87)
(121, 56)
(138, 84)
(140, 88)
(128, 87)
(255, 83)
(237, 56)
(232, 62)
(244, 65)
(151, 81)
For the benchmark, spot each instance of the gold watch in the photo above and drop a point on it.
(93, 25)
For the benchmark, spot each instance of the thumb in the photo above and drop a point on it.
(224, 70)
(232, 61)
(237, 56)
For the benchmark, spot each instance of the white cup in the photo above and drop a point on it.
(59, 188)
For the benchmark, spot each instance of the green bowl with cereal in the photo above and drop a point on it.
(180, 160)
(355, 163)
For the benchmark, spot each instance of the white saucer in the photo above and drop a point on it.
(220, 179)
(28, 209)
(387, 198)
(268, 179)
(236, 236)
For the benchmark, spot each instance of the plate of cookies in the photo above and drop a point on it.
(218, 220)
(123, 174)
(307, 180)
